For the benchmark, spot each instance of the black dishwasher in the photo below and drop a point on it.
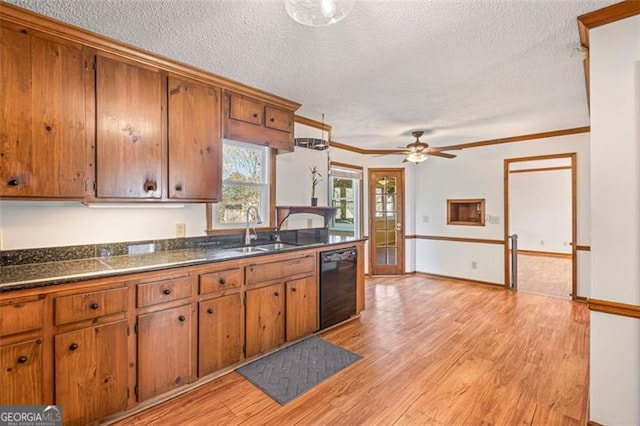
(337, 286)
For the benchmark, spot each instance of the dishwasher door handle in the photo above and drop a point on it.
(336, 257)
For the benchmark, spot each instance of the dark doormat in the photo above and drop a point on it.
(291, 371)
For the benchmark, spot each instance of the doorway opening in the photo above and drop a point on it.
(345, 193)
(540, 208)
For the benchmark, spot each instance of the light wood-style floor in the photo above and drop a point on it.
(546, 275)
(437, 352)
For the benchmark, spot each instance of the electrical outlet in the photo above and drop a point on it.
(142, 248)
(541, 242)
(474, 264)
(181, 230)
(309, 223)
(425, 219)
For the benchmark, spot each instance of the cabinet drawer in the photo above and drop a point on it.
(279, 119)
(78, 307)
(222, 280)
(20, 316)
(282, 269)
(246, 109)
(163, 291)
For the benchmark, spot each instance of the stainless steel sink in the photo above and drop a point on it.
(262, 248)
(276, 246)
(250, 249)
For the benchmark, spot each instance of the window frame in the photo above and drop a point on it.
(269, 173)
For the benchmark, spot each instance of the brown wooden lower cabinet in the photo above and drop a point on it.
(190, 323)
(21, 373)
(91, 372)
(302, 307)
(165, 351)
(219, 333)
(264, 316)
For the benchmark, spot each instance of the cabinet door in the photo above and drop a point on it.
(128, 130)
(302, 307)
(195, 149)
(91, 372)
(21, 374)
(246, 109)
(279, 119)
(220, 337)
(42, 116)
(264, 319)
(165, 351)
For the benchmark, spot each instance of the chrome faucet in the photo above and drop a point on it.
(248, 235)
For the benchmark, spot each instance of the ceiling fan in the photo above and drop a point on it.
(418, 151)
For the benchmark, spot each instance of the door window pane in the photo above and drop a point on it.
(345, 196)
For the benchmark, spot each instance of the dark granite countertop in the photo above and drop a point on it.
(15, 277)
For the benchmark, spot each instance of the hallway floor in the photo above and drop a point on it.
(546, 275)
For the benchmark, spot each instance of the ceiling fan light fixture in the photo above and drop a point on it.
(318, 13)
(416, 157)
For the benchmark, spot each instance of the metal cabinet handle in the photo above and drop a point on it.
(276, 294)
(255, 115)
(13, 182)
(181, 318)
(272, 119)
(178, 187)
(73, 346)
(94, 306)
(222, 281)
(294, 290)
(210, 310)
(167, 291)
(22, 359)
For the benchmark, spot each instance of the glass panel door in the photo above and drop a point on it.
(344, 196)
(386, 234)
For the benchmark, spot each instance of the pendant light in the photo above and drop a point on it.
(318, 13)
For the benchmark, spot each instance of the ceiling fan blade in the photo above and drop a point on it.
(441, 154)
(444, 148)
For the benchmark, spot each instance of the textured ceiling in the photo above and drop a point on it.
(462, 70)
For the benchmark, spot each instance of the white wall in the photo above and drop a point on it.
(540, 210)
(293, 179)
(478, 173)
(615, 225)
(31, 224)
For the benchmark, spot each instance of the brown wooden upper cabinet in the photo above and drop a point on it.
(254, 121)
(195, 146)
(129, 143)
(42, 124)
(88, 118)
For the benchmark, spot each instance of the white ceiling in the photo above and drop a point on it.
(462, 70)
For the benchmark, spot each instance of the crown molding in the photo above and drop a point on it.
(521, 138)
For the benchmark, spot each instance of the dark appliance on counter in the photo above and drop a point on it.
(337, 286)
